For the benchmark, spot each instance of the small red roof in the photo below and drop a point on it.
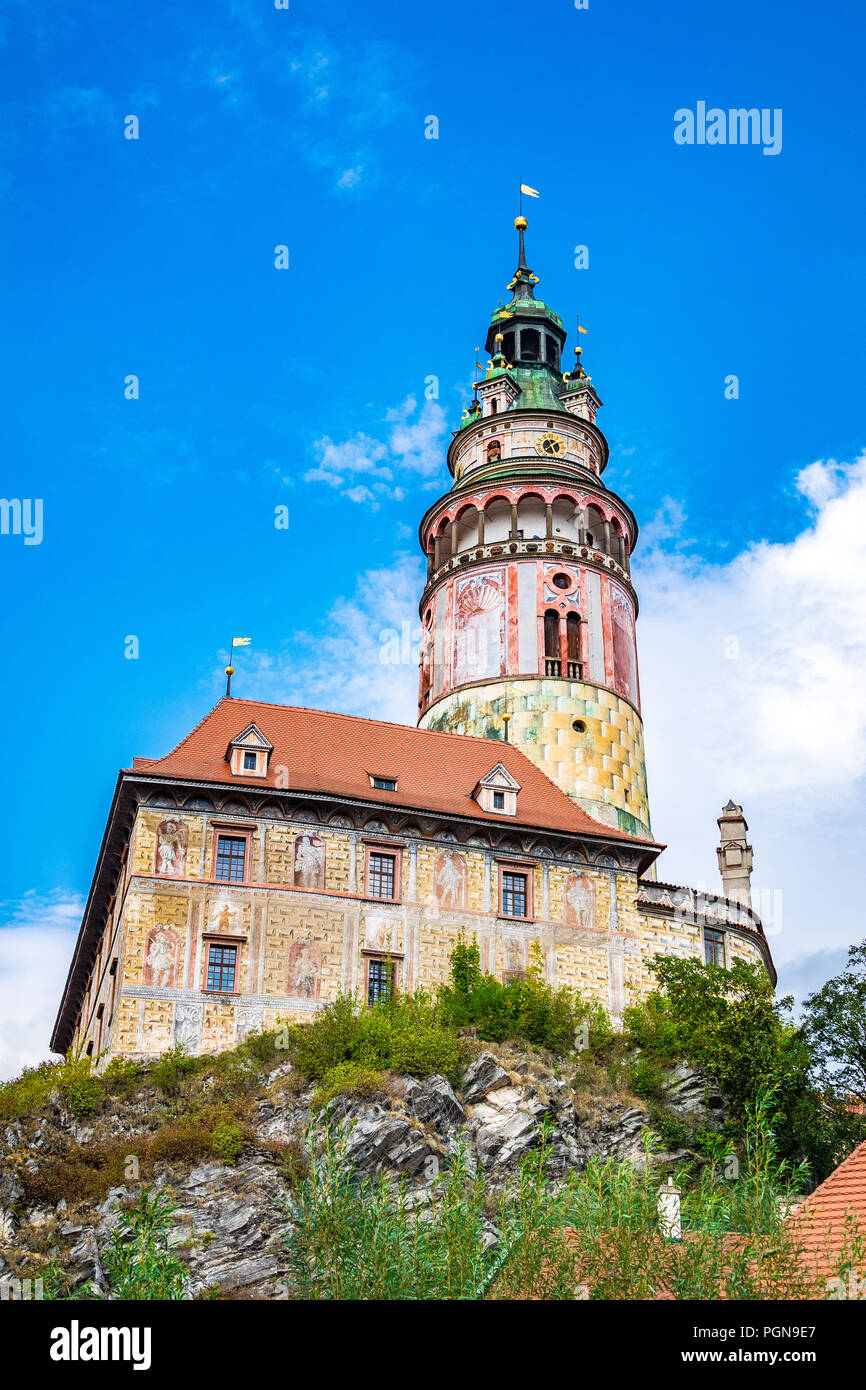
(821, 1218)
(338, 754)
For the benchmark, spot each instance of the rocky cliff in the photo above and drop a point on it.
(232, 1218)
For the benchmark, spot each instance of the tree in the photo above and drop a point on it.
(835, 1026)
(728, 1022)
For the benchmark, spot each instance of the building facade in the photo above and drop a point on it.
(279, 856)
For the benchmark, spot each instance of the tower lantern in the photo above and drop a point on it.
(529, 608)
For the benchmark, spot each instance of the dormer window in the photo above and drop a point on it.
(497, 792)
(249, 753)
(383, 784)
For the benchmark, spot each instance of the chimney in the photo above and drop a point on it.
(735, 855)
(669, 1211)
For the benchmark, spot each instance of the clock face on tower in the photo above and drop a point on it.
(550, 445)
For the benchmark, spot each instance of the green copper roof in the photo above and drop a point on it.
(499, 318)
(537, 389)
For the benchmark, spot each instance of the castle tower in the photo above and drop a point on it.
(735, 855)
(528, 613)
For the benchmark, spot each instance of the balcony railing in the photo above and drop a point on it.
(555, 546)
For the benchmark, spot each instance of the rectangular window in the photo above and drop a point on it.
(385, 784)
(221, 964)
(499, 801)
(230, 855)
(250, 760)
(381, 875)
(380, 981)
(513, 895)
(714, 946)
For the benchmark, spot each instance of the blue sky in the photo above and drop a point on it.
(305, 387)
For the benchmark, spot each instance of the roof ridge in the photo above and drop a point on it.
(859, 1153)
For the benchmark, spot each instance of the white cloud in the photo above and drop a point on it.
(414, 447)
(37, 937)
(754, 687)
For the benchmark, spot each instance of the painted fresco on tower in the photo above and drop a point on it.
(449, 879)
(310, 863)
(624, 659)
(578, 898)
(479, 639)
(161, 953)
(171, 840)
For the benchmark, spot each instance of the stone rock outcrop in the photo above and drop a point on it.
(231, 1221)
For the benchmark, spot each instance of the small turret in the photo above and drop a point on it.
(735, 855)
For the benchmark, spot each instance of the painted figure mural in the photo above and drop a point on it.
(221, 919)
(449, 879)
(624, 660)
(514, 964)
(171, 841)
(310, 862)
(479, 636)
(305, 969)
(579, 902)
(378, 933)
(160, 958)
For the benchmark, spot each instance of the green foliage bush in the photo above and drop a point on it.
(350, 1079)
(728, 1023)
(79, 1086)
(227, 1140)
(527, 1008)
(173, 1066)
(405, 1034)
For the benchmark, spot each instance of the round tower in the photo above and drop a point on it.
(528, 613)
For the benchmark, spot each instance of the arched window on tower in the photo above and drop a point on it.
(530, 345)
(508, 346)
(552, 658)
(494, 405)
(552, 351)
(572, 636)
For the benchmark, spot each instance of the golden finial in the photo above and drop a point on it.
(520, 224)
(498, 338)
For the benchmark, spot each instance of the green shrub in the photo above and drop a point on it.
(646, 1078)
(26, 1094)
(526, 1008)
(317, 1047)
(262, 1046)
(173, 1066)
(674, 1131)
(138, 1262)
(122, 1074)
(423, 1051)
(227, 1140)
(729, 1023)
(349, 1079)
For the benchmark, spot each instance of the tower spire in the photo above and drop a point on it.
(523, 277)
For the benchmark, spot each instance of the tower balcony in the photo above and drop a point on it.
(444, 563)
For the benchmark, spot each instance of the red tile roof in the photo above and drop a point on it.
(337, 753)
(821, 1218)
